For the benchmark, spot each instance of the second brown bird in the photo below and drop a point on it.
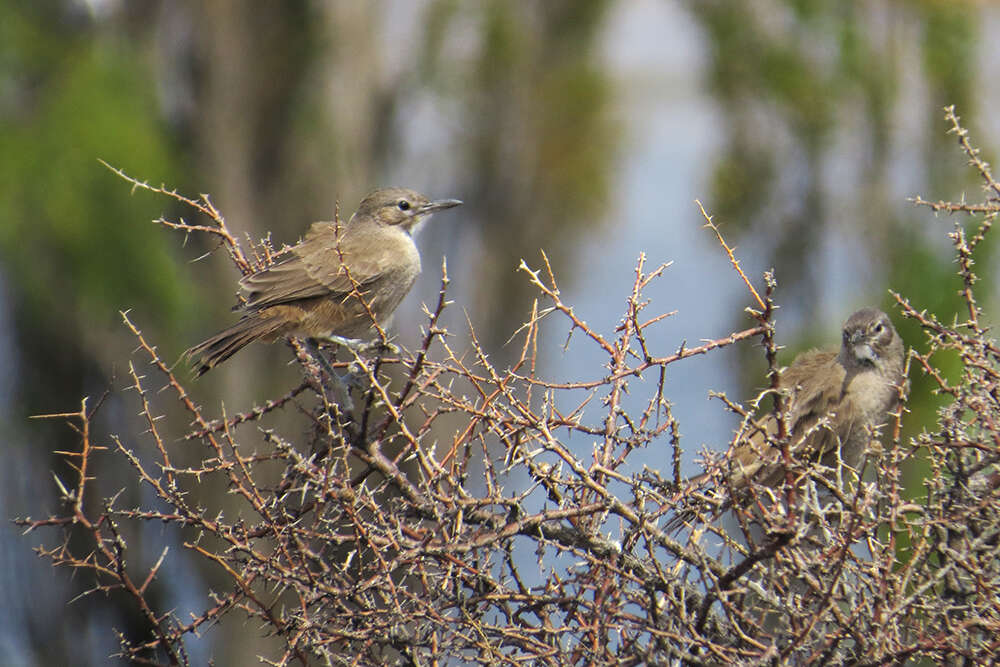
(854, 389)
(835, 402)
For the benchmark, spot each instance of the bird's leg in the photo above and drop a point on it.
(341, 384)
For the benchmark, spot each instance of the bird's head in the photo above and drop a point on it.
(400, 207)
(870, 340)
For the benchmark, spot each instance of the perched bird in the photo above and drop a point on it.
(834, 401)
(314, 290)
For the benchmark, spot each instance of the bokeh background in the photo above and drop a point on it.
(586, 128)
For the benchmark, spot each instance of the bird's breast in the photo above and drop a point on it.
(872, 396)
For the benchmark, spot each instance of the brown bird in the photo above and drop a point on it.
(313, 291)
(835, 401)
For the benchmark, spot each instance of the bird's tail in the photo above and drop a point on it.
(212, 352)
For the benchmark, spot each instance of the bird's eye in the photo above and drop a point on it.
(403, 205)
(879, 328)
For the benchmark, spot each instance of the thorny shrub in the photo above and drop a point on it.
(391, 535)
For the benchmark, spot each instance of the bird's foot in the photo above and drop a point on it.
(361, 347)
(353, 344)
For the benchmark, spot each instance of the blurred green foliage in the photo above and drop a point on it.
(76, 245)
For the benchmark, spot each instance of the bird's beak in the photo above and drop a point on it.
(439, 205)
(865, 353)
(862, 349)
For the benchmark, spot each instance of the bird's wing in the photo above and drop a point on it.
(816, 391)
(807, 401)
(314, 268)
